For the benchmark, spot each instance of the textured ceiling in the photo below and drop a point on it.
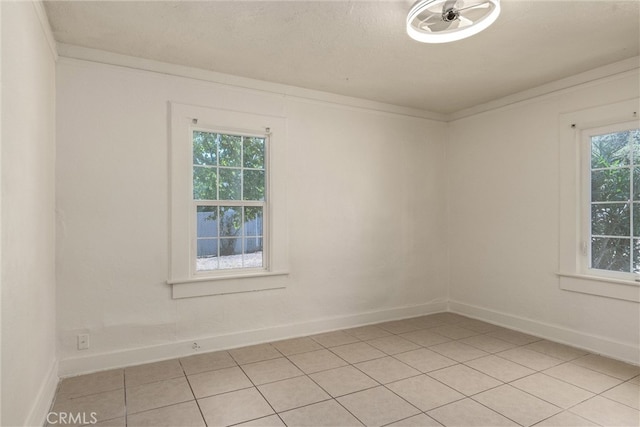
(360, 48)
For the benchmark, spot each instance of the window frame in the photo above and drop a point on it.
(195, 273)
(572, 275)
(586, 205)
(183, 276)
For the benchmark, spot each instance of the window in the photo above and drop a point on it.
(613, 201)
(229, 183)
(599, 233)
(228, 202)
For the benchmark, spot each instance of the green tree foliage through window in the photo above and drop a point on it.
(615, 201)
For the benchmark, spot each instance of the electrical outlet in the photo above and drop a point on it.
(83, 341)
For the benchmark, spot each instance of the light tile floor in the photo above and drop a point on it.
(441, 369)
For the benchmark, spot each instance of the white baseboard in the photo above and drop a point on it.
(42, 404)
(595, 344)
(129, 357)
(97, 362)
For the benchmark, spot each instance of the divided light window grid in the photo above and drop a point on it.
(229, 186)
(615, 201)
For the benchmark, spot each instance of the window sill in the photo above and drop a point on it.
(627, 290)
(229, 284)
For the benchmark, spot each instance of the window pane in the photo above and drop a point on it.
(230, 253)
(253, 184)
(230, 221)
(253, 252)
(610, 185)
(253, 153)
(207, 221)
(610, 150)
(204, 183)
(636, 256)
(207, 248)
(253, 221)
(610, 254)
(230, 184)
(204, 148)
(610, 219)
(636, 219)
(207, 258)
(230, 246)
(229, 150)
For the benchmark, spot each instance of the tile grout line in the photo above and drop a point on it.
(580, 387)
(192, 392)
(336, 398)
(260, 391)
(364, 373)
(494, 410)
(124, 384)
(535, 372)
(391, 391)
(464, 364)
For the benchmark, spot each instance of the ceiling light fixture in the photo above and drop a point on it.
(442, 21)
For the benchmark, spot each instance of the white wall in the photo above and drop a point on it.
(29, 369)
(359, 181)
(503, 187)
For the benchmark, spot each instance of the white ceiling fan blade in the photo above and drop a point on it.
(425, 16)
(464, 22)
(428, 21)
(435, 23)
(475, 14)
(449, 4)
(435, 8)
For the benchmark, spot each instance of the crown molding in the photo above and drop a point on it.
(555, 88)
(594, 76)
(41, 13)
(110, 58)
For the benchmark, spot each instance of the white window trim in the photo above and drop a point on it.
(572, 260)
(183, 278)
